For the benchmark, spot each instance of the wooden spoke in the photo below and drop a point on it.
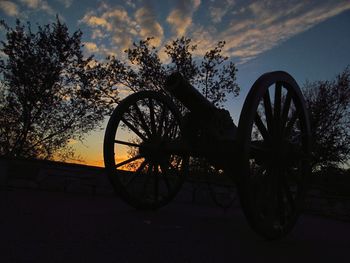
(268, 111)
(297, 154)
(165, 171)
(173, 132)
(277, 104)
(148, 177)
(261, 127)
(298, 177)
(141, 118)
(274, 195)
(141, 167)
(127, 143)
(285, 110)
(259, 146)
(291, 123)
(259, 150)
(266, 195)
(287, 192)
(168, 129)
(128, 161)
(136, 173)
(151, 113)
(161, 121)
(263, 181)
(156, 182)
(281, 204)
(131, 127)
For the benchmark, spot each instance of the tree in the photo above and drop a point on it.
(143, 69)
(329, 106)
(48, 94)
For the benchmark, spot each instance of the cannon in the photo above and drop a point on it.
(154, 139)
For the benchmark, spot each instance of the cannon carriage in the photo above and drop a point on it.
(150, 147)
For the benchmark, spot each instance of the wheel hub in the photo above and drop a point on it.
(283, 153)
(153, 150)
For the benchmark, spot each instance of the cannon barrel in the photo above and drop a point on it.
(190, 97)
(217, 123)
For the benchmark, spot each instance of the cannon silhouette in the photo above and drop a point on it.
(153, 140)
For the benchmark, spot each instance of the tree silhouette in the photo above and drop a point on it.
(329, 106)
(48, 92)
(144, 69)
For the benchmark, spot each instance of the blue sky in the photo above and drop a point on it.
(310, 39)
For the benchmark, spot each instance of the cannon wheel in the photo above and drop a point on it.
(273, 150)
(142, 173)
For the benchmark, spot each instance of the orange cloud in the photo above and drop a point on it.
(117, 22)
(180, 19)
(149, 27)
(90, 46)
(95, 21)
(9, 8)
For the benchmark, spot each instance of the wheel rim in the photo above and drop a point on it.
(273, 135)
(143, 173)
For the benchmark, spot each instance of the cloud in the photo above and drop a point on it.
(262, 25)
(217, 13)
(112, 22)
(98, 34)
(9, 8)
(251, 27)
(148, 25)
(90, 46)
(203, 38)
(221, 8)
(95, 21)
(101, 49)
(66, 3)
(180, 18)
(39, 5)
(130, 3)
(123, 28)
(120, 28)
(2, 54)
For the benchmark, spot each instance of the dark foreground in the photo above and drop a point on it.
(59, 227)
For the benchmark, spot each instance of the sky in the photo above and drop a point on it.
(310, 39)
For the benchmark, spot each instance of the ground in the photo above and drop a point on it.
(41, 226)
